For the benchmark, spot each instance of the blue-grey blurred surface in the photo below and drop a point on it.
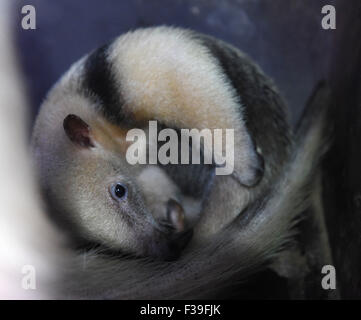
(284, 36)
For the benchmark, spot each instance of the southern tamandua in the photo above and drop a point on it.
(182, 79)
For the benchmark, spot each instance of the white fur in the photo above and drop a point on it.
(166, 75)
(240, 249)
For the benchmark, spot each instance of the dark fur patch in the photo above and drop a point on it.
(194, 180)
(264, 109)
(99, 83)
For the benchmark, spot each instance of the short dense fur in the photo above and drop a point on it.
(181, 79)
(254, 237)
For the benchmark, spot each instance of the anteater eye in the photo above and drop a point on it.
(118, 191)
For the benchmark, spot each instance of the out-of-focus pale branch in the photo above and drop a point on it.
(26, 237)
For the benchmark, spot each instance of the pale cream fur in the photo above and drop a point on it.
(165, 75)
(162, 74)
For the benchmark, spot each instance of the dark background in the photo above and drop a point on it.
(284, 36)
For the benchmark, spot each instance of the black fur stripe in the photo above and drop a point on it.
(256, 92)
(99, 83)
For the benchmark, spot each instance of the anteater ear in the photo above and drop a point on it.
(78, 131)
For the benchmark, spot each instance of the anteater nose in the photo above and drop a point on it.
(175, 215)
